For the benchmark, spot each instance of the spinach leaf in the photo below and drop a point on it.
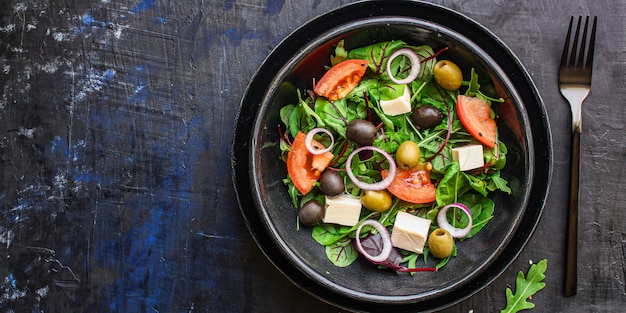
(377, 54)
(388, 90)
(476, 184)
(451, 185)
(309, 117)
(333, 114)
(496, 156)
(426, 55)
(482, 209)
(327, 234)
(342, 253)
(300, 117)
(290, 116)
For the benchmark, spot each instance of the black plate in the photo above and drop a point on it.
(258, 172)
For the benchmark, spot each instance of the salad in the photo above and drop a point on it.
(392, 156)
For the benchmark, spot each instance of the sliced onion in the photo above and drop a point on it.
(442, 220)
(309, 139)
(381, 185)
(415, 66)
(385, 237)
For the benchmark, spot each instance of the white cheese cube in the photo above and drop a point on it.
(343, 210)
(469, 157)
(410, 232)
(399, 105)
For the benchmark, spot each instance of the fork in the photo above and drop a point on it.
(575, 83)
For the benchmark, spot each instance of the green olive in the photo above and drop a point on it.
(440, 243)
(376, 200)
(448, 75)
(408, 155)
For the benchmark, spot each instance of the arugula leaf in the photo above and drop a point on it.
(499, 183)
(474, 86)
(309, 116)
(340, 54)
(525, 287)
(292, 190)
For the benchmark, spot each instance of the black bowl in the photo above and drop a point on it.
(258, 171)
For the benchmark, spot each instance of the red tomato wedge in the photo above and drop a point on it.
(340, 79)
(412, 186)
(475, 115)
(305, 168)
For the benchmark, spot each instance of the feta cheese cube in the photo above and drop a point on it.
(343, 210)
(398, 105)
(410, 232)
(469, 157)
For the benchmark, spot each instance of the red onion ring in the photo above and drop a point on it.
(442, 220)
(381, 185)
(385, 237)
(415, 66)
(309, 139)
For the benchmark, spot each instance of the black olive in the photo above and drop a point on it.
(361, 132)
(311, 213)
(332, 183)
(426, 116)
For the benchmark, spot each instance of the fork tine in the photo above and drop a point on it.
(572, 58)
(566, 46)
(592, 41)
(580, 61)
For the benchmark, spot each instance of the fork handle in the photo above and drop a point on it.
(571, 258)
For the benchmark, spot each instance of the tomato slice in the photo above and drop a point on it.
(303, 167)
(475, 115)
(340, 79)
(412, 186)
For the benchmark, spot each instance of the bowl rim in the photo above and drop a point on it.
(243, 142)
(256, 178)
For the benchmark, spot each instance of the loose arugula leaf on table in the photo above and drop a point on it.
(525, 287)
